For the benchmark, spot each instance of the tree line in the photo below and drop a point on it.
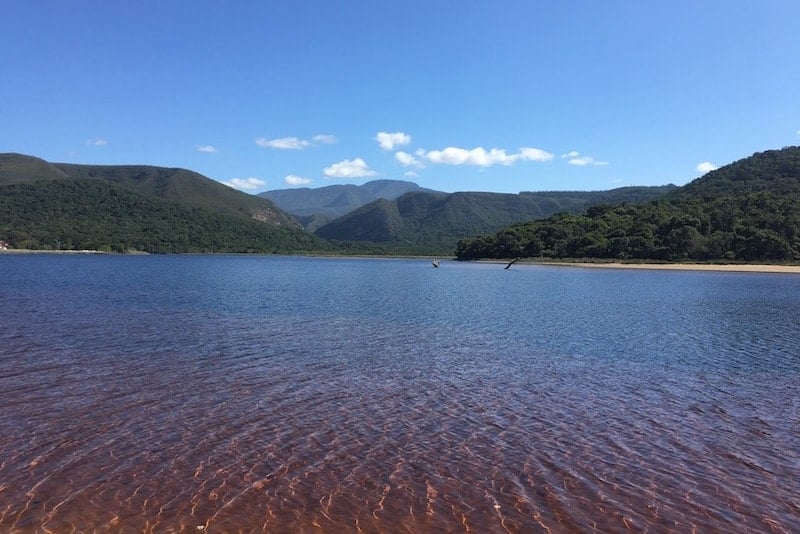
(759, 226)
(98, 215)
(746, 211)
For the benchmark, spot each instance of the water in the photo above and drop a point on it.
(268, 394)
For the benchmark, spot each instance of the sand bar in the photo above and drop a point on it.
(737, 268)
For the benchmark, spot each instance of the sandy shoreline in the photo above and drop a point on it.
(30, 251)
(728, 267)
(735, 268)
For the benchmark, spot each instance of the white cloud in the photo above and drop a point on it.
(325, 139)
(245, 184)
(574, 158)
(407, 160)
(411, 174)
(390, 141)
(705, 167)
(207, 148)
(295, 143)
(483, 158)
(355, 168)
(582, 161)
(284, 143)
(534, 154)
(296, 180)
(96, 142)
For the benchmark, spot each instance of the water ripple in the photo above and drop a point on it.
(413, 405)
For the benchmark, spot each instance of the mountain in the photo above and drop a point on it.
(134, 207)
(777, 171)
(19, 168)
(315, 207)
(180, 185)
(746, 211)
(431, 222)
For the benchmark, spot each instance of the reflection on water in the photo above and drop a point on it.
(242, 394)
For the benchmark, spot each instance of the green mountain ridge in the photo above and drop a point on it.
(137, 207)
(181, 185)
(314, 207)
(746, 211)
(96, 215)
(433, 223)
(19, 168)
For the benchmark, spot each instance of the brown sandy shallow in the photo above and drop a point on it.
(739, 268)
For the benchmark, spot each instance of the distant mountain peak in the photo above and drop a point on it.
(333, 201)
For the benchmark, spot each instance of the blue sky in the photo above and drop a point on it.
(456, 96)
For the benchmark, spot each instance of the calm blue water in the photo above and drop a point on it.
(248, 393)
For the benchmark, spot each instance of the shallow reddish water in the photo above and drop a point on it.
(116, 419)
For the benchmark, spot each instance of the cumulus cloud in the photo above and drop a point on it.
(296, 180)
(390, 141)
(245, 184)
(582, 161)
(407, 160)
(349, 168)
(705, 167)
(295, 143)
(207, 149)
(534, 154)
(325, 139)
(482, 157)
(574, 157)
(96, 142)
(283, 143)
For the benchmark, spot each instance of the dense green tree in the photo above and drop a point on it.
(747, 211)
(99, 215)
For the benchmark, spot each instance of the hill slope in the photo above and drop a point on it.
(180, 185)
(777, 171)
(100, 215)
(136, 207)
(315, 207)
(746, 211)
(19, 168)
(432, 223)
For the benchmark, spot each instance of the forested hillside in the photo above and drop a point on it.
(432, 223)
(315, 207)
(746, 211)
(180, 185)
(123, 208)
(100, 215)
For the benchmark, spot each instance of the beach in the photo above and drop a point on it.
(738, 268)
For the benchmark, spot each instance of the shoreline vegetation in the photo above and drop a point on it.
(718, 267)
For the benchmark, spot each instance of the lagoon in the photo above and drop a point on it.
(292, 394)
